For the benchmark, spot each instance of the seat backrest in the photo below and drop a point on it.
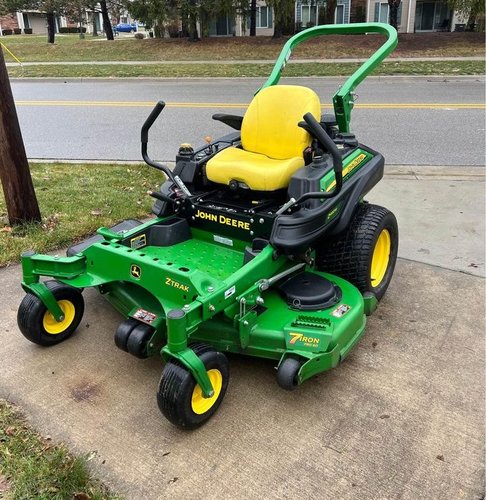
(270, 125)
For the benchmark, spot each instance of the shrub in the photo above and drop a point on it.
(71, 29)
(139, 36)
(7, 32)
(17, 31)
(28, 31)
(173, 30)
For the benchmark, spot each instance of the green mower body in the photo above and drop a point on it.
(288, 275)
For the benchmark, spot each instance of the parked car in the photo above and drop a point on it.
(126, 28)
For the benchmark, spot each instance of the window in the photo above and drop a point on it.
(382, 11)
(339, 15)
(308, 15)
(383, 18)
(26, 20)
(222, 26)
(264, 17)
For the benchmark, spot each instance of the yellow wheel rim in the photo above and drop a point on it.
(54, 327)
(381, 258)
(199, 403)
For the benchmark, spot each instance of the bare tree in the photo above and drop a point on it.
(253, 11)
(393, 16)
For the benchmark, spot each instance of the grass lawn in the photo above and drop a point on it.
(245, 70)
(33, 467)
(74, 201)
(71, 48)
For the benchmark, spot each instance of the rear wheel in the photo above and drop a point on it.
(39, 326)
(365, 254)
(180, 398)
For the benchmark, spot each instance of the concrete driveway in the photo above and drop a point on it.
(402, 417)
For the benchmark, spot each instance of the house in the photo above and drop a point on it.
(35, 22)
(30, 20)
(413, 16)
(225, 25)
(416, 15)
(309, 13)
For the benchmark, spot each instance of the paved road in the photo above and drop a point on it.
(413, 121)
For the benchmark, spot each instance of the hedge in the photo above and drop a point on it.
(71, 29)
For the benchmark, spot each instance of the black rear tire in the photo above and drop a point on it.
(178, 388)
(37, 324)
(365, 253)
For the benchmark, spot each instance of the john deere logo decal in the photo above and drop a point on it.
(135, 271)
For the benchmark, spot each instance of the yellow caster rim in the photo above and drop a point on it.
(199, 403)
(54, 327)
(381, 258)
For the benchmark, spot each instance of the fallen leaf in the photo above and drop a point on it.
(80, 496)
(6, 229)
(440, 457)
(96, 212)
(10, 431)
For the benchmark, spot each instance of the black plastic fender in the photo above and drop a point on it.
(296, 232)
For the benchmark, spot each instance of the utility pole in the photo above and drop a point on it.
(15, 176)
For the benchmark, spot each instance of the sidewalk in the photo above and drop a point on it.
(245, 61)
(403, 417)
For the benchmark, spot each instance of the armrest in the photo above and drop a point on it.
(232, 121)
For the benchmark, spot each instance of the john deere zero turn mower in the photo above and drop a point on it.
(262, 244)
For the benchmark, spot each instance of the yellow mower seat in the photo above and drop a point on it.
(272, 142)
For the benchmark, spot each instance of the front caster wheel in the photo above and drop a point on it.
(287, 373)
(39, 326)
(180, 398)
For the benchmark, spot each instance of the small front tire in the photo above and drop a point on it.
(138, 340)
(180, 398)
(39, 326)
(287, 374)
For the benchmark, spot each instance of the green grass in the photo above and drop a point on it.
(33, 467)
(71, 48)
(74, 201)
(246, 70)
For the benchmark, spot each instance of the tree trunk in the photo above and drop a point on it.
(106, 21)
(193, 34)
(95, 28)
(51, 27)
(15, 176)
(253, 11)
(277, 30)
(330, 11)
(393, 16)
